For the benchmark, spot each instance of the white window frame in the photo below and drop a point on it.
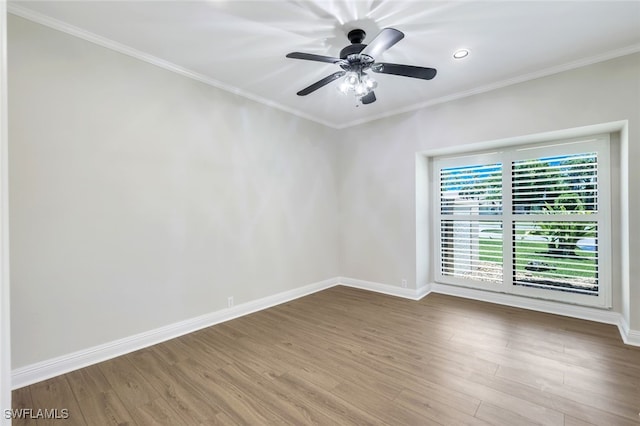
(506, 155)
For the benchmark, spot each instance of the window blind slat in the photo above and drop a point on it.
(469, 249)
(559, 185)
(560, 255)
(474, 189)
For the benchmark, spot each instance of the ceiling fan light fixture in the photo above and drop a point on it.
(460, 53)
(344, 88)
(351, 78)
(357, 83)
(369, 83)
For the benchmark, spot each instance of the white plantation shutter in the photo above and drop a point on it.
(470, 197)
(472, 187)
(559, 250)
(539, 181)
(537, 266)
(530, 220)
(461, 252)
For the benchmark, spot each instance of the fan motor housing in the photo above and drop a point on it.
(351, 49)
(356, 37)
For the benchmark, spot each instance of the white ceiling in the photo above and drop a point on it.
(241, 45)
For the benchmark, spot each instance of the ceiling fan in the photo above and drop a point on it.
(358, 58)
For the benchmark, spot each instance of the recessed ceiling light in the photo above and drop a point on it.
(461, 53)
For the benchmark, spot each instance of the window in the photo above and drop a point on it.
(530, 220)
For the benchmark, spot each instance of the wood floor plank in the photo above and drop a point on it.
(236, 404)
(572, 421)
(338, 409)
(234, 349)
(603, 384)
(56, 394)
(499, 416)
(98, 401)
(21, 400)
(385, 409)
(507, 401)
(273, 396)
(129, 384)
(617, 402)
(349, 356)
(157, 412)
(537, 378)
(337, 368)
(173, 350)
(86, 380)
(435, 412)
(179, 393)
(105, 408)
(567, 405)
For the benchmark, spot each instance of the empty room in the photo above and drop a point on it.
(320, 212)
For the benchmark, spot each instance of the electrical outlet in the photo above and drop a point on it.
(229, 302)
(404, 283)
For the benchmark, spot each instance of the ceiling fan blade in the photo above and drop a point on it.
(384, 40)
(312, 57)
(404, 70)
(318, 84)
(369, 98)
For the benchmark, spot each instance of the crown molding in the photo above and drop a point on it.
(55, 24)
(628, 50)
(42, 19)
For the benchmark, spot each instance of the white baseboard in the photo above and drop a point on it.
(574, 311)
(423, 291)
(407, 293)
(40, 371)
(630, 337)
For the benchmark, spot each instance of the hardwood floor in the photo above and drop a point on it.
(347, 356)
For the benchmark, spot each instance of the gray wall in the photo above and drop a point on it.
(140, 198)
(377, 198)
